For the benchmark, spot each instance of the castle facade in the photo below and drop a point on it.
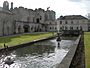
(23, 20)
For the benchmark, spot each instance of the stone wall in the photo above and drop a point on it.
(78, 60)
(76, 56)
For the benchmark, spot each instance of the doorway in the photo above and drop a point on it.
(26, 28)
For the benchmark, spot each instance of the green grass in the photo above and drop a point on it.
(14, 40)
(87, 48)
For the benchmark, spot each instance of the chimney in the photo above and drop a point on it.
(11, 5)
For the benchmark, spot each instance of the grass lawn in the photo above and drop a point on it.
(87, 48)
(14, 40)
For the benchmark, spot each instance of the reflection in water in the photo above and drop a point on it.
(44, 54)
(35, 50)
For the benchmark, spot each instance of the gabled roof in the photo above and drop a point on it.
(71, 17)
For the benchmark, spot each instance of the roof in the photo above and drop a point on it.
(72, 17)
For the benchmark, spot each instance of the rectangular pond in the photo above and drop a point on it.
(44, 54)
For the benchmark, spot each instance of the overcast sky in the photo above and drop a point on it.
(61, 7)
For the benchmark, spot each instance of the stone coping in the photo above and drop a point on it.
(18, 34)
(65, 63)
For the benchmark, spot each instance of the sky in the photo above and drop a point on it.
(61, 7)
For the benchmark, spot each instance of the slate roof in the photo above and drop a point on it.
(72, 17)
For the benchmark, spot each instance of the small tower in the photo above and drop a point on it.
(11, 5)
(6, 5)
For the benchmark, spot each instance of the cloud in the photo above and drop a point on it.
(87, 4)
(61, 7)
(75, 0)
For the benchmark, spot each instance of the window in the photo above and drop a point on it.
(60, 28)
(71, 22)
(28, 19)
(8, 29)
(19, 28)
(77, 28)
(37, 20)
(66, 28)
(40, 17)
(32, 28)
(78, 22)
(83, 20)
(60, 22)
(65, 22)
(50, 22)
(55, 28)
(71, 28)
(33, 19)
(80, 27)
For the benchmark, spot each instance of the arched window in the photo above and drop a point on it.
(6, 5)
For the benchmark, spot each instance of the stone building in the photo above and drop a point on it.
(73, 22)
(6, 20)
(21, 20)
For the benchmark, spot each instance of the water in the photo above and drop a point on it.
(44, 54)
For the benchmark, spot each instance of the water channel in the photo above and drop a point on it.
(44, 54)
